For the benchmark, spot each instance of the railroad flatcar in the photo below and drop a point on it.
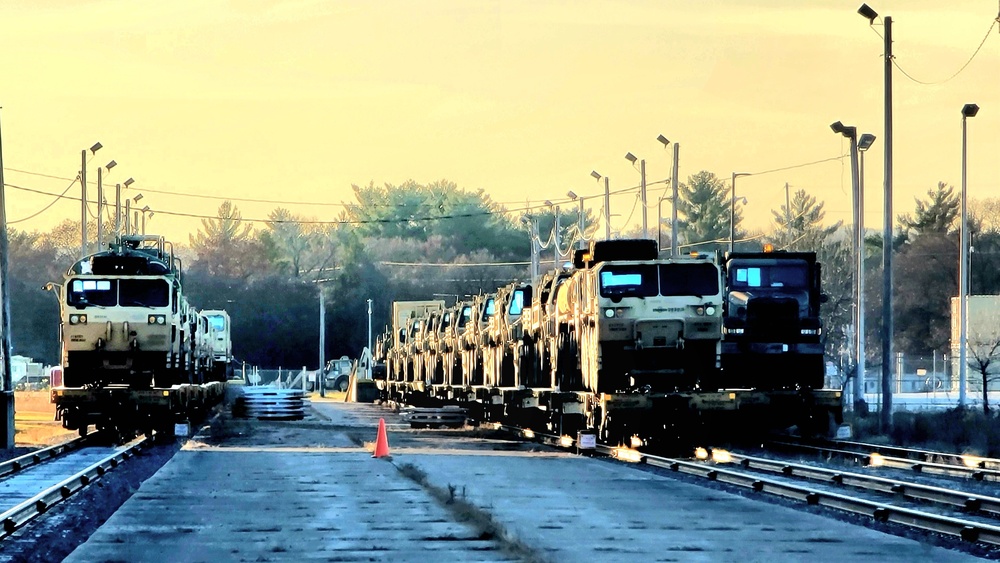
(627, 345)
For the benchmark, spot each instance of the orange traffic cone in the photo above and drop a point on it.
(382, 442)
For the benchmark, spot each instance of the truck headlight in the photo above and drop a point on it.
(157, 319)
(78, 319)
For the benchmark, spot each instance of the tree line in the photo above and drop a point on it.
(439, 241)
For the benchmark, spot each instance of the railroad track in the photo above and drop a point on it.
(958, 514)
(962, 466)
(31, 484)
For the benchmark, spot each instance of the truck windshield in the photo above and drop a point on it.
(689, 279)
(791, 274)
(628, 280)
(218, 322)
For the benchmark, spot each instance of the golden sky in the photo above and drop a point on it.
(296, 100)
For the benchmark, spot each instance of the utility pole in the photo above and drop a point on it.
(673, 206)
(788, 214)
(320, 375)
(83, 203)
(607, 210)
(887, 325)
(7, 382)
(642, 174)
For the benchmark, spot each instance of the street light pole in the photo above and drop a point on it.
(607, 204)
(864, 143)
(370, 338)
(732, 211)
(851, 133)
(7, 379)
(969, 110)
(887, 321)
(83, 199)
(642, 190)
(582, 243)
(100, 204)
(320, 375)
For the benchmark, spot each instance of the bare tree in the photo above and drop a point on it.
(984, 353)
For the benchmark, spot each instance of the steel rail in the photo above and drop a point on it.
(875, 458)
(948, 458)
(34, 458)
(965, 529)
(19, 515)
(927, 493)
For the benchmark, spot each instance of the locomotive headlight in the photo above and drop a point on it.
(157, 319)
(609, 313)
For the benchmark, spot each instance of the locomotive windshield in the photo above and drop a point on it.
(143, 293)
(639, 280)
(102, 293)
(122, 292)
(689, 279)
(789, 274)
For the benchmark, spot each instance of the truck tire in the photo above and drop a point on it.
(342, 383)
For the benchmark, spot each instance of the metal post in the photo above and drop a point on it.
(607, 210)
(6, 382)
(100, 198)
(128, 210)
(659, 223)
(118, 209)
(859, 376)
(732, 211)
(642, 193)
(887, 327)
(788, 214)
(143, 222)
(556, 255)
(370, 339)
(83, 203)
(581, 227)
(969, 110)
(320, 375)
(673, 203)
(862, 349)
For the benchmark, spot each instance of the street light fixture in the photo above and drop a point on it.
(968, 110)
(607, 204)
(732, 211)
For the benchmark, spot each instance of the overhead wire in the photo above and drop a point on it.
(896, 64)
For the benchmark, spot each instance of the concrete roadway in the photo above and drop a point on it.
(308, 491)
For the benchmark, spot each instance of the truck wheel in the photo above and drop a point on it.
(342, 383)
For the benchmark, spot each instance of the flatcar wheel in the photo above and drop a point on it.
(82, 430)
